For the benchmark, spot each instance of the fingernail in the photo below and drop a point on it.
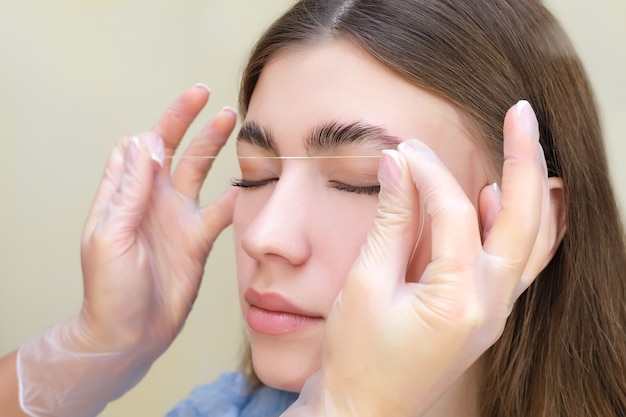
(203, 86)
(527, 118)
(390, 166)
(415, 146)
(132, 150)
(544, 163)
(229, 109)
(157, 149)
(496, 190)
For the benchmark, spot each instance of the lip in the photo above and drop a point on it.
(270, 313)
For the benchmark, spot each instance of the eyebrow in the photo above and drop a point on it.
(324, 138)
(254, 134)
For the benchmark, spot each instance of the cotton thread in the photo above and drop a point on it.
(280, 157)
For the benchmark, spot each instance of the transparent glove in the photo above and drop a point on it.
(393, 347)
(143, 251)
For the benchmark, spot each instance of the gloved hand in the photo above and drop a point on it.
(144, 247)
(393, 347)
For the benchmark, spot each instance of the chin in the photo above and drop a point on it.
(285, 366)
(292, 383)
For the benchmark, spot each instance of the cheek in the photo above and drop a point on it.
(344, 225)
(342, 229)
(335, 226)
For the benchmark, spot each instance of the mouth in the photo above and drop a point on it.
(272, 314)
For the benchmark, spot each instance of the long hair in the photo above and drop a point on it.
(563, 350)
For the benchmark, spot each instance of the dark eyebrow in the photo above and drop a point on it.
(254, 134)
(334, 135)
(325, 137)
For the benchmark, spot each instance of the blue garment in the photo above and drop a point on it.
(230, 396)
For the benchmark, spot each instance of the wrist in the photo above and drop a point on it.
(344, 397)
(64, 371)
(319, 398)
(87, 333)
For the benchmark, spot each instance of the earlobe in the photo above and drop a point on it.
(557, 216)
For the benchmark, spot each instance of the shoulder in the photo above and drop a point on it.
(231, 396)
(268, 402)
(224, 397)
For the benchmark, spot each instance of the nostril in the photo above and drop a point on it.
(276, 242)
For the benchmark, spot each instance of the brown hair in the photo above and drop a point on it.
(563, 350)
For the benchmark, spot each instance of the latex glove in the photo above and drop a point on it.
(144, 247)
(393, 347)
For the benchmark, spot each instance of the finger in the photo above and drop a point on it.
(192, 169)
(489, 206)
(515, 227)
(173, 124)
(143, 155)
(390, 243)
(546, 241)
(109, 184)
(218, 215)
(453, 218)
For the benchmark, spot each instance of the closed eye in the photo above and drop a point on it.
(367, 190)
(361, 190)
(240, 182)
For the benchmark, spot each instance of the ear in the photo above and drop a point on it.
(556, 217)
(551, 230)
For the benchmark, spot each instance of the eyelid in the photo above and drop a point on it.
(243, 183)
(362, 190)
(256, 173)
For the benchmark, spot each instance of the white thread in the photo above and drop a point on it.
(281, 157)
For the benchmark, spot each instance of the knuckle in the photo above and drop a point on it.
(473, 314)
(100, 240)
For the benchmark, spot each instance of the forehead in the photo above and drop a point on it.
(307, 85)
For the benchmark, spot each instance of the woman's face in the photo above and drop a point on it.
(299, 223)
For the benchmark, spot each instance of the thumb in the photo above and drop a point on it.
(390, 243)
(130, 201)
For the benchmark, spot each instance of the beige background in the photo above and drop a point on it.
(77, 74)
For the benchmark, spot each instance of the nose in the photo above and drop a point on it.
(280, 229)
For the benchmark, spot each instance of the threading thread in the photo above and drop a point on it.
(281, 157)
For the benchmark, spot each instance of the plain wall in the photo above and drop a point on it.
(75, 75)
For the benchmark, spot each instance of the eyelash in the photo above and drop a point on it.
(251, 184)
(369, 190)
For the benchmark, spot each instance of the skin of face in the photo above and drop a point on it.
(297, 228)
